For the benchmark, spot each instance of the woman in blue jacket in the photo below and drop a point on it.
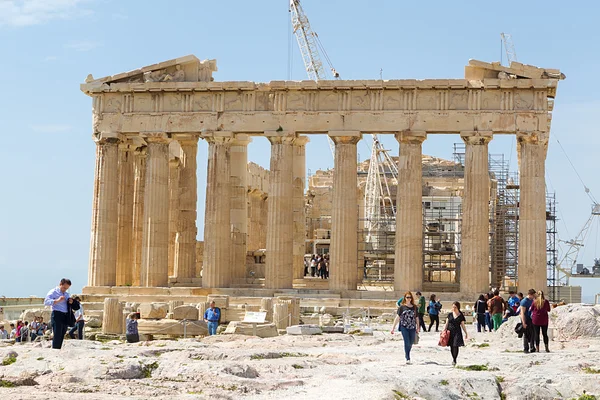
(434, 312)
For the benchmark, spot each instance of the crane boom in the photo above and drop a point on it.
(509, 47)
(307, 41)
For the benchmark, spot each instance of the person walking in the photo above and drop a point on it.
(480, 309)
(434, 312)
(528, 334)
(539, 317)
(409, 323)
(131, 328)
(79, 322)
(421, 311)
(212, 316)
(58, 299)
(497, 308)
(455, 324)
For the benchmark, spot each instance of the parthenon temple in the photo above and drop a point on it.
(147, 124)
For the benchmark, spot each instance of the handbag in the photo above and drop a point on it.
(416, 341)
(444, 338)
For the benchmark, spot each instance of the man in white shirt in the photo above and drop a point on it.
(79, 322)
(3, 333)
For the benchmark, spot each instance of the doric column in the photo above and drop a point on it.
(408, 263)
(280, 221)
(139, 184)
(299, 176)
(216, 270)
(532, 211)
(239, 205)
(155, 245)
(344, 213)
(103, 247)
(174, 164)
(125, 212)
(185, 262)
(254, 216)
(475, 258)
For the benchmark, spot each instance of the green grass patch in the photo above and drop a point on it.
(269, 356)
(475, 367)
(398, 395)
(481, 345)
(6, 384)
(198, 392)
(297, 366)
(9, 360)
(444, 382)
(40, 358)
(147, 369)
(590, 370)
(586, 396)
(499, 379)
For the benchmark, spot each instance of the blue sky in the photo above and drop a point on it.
(47, 47)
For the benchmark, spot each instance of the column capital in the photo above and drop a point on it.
(241, 139)
(411, 137)
(108, 137)
(476, 137)
(155, 137)
(534, 137)
(141, 151)
(186, 139)
(281, 137)
(218, 137)
(345, 137)
(174, 162)
(301, 141)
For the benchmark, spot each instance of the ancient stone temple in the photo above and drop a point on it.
(147, 124)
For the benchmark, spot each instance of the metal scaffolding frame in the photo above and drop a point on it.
(551, 251)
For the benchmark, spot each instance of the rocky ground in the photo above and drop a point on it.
(303, 367)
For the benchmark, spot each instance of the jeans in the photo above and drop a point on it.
(529, 338)
(422, 322)
(536, 331)
(480, 322)
(488, 321)
(212, 328)
(79, 328)
(59, 321)
(434, 318)
(408, 335)
(497, 319)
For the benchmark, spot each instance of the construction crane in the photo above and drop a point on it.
(509, 47)
(309, 44)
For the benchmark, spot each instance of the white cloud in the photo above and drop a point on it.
(19, 13)
(50, 58)
(83, 45)
(51, 128)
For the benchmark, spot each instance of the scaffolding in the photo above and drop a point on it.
(376, 248)
(551, 251)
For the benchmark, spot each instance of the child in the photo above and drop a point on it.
(132, 334)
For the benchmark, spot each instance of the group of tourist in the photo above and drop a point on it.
(491, 310)
(317, 266)
(23, 331)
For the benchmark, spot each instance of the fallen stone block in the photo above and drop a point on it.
(185, 312)
(221, 301)
(153, 310)
(172, 327)
(304, 330)
(243, 328)
(332, 329)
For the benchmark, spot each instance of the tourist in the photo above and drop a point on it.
(409, 323)
(528, 334)
(421, 311)
(480, 309)
(488, 316)
(131, 328)
(3, 333)
(42, 328)
(456, 325)
(306, 266)
(513, 303)
(18, 331)
(434, 312)
(24, 332)
(313, 265)
(323, 268)
(13, 332)
(212, 316)
(539, 316)
(497, 308)
(58, 299)
(319, 260)
(33, 327)
(79, 322)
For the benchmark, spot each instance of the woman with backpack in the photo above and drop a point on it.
(455, 324)
(409, 323)
(434, 312)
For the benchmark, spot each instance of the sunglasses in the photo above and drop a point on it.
(408, 297)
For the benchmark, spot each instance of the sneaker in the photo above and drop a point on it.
(533, 350)
(547, 350)
(526, 351)
(408, 362)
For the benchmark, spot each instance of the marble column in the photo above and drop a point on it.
(255, 200)
(185, 262)
(475, 257)
(139, 184)
(280, 222)
(299, 176)
(532, 211)
(216, 271)
(174, 164)
(155, 244)
(103, 247)
(344, 213)
(239, 205)
(408, 263)
(125, 212)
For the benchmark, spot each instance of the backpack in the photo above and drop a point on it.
(24, 334)
(217, 308)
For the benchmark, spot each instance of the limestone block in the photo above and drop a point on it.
(29, 315)
(93, 322)
(153, 310)
(326, 320)
(249, 307)
(185, 312)
(172, 327)
(332, 329)
(281, 315)
(202, 309)
(304, 330)
(266, 304)
(112, 322)
(221, 301)
(174, 304)
(242, 328)
(293, 308)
